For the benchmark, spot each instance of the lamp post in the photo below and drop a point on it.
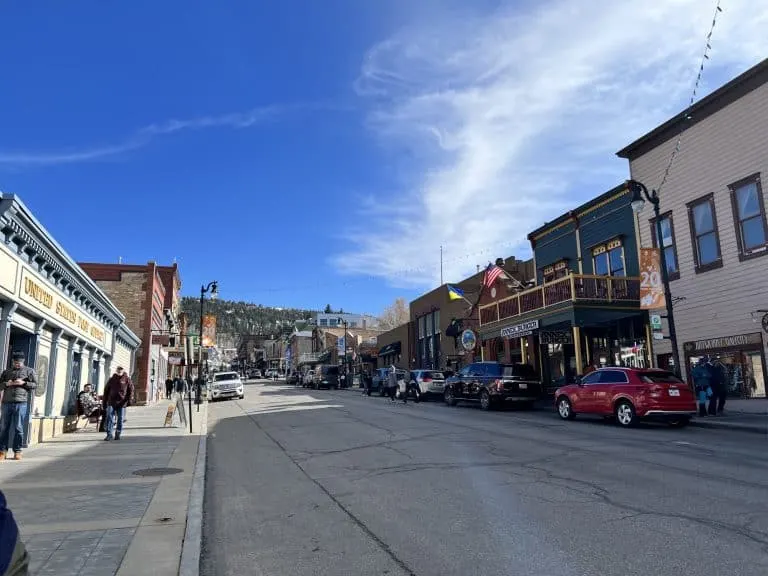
(341, 320)
(638, 190)
(213, 288)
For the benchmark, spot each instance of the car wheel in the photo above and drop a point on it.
(625, 414)
(242, 397)
(485, 400)
(448, 397)
(565, 409)
(381, 390)
(680, 422)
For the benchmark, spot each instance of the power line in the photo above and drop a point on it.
(684, 124)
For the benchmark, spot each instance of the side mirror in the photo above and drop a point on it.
(578, 381)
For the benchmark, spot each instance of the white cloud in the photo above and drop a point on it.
(505, 120)
(141, 138)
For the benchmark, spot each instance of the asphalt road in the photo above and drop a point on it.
(303, 482)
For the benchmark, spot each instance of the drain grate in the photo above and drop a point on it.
(157, 471)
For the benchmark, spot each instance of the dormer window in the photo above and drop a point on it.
(608, 259)
(555, 271)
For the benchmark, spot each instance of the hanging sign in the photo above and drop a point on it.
(651, 286)
(468, 340)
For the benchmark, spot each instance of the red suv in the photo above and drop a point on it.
(629, 394)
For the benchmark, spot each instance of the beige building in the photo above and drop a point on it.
(714, 228)
(68, 329)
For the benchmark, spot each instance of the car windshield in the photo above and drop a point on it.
(435, 375)
(225, 376)
(660, 378)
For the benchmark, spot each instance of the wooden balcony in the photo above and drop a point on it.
(574, 289)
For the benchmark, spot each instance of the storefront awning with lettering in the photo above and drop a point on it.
(391, 348)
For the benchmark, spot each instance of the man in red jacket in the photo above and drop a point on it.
(117, 396)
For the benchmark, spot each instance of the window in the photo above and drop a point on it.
(422, 327)
(333, 322)
(613, 377)
(704, 236)
(323, 322)
(436, 320)
(555, 271)
(353, 324)
(659, 377)
(608, 259)
(749, 217)
(591, 378)
(667, 243)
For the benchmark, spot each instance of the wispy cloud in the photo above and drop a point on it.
(142, 137)
(506, 119)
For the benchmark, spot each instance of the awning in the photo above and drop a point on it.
(391, 348)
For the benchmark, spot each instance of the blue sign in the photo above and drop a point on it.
(468, 340)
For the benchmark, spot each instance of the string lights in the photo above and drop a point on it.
(684, 124)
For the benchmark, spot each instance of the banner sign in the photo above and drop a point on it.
(209, 331)
(651, 286)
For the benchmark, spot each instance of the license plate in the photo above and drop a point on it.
(674, 392)
(523, 386)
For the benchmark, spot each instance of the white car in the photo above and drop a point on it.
(226, 385)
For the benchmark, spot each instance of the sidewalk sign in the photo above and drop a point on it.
(169, 415)
(181, 410)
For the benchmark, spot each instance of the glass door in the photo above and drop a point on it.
(754, 381)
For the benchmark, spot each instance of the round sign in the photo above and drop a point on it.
(468, 340)
(493, 292)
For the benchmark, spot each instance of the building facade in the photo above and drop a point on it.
(434, 347)
(714, 227)
(148, 295)
(69, 330)
(395, 347)
(332, 320)
(585, 307)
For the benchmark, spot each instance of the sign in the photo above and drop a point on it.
(176, 358)
(559, 337)
(209, 331)
(44, 298)
(656, 321)
(658, 336)
(520, 330)
(468, 340)
(740, 341)
(651, 286)
(341, 345)
(169, 414)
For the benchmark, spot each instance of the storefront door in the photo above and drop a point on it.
(74, 383)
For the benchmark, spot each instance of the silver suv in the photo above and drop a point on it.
(226, 385)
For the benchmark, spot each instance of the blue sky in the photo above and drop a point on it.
(305, 152)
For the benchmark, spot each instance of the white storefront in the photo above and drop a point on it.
(52, 311)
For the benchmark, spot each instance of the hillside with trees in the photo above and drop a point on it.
(235, 318)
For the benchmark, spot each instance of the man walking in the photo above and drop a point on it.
(117, 396)
(16, 384)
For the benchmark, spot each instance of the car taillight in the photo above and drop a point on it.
(499, 385)
(427, 379)
(655, 391)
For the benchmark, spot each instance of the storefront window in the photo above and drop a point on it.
(743, 371)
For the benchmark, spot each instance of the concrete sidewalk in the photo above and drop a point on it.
(88, 507)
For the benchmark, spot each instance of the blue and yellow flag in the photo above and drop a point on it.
(455, 293)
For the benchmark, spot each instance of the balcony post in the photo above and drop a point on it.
(524, 350)
(573, 287)
(577, 350)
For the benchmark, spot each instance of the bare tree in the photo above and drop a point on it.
(395, 314)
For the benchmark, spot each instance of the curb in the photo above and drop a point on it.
(734, 426)
(189, 564)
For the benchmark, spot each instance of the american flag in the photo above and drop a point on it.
(491, 274)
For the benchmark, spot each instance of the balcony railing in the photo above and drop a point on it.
(573, 288)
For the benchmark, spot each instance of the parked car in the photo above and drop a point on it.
(255, 374)
(379, 381)
(428, 382)
(493, 384)
(309, 379)
(226, 385)
(630, 395)
(327, 376)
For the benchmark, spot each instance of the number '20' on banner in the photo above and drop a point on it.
(651, 286)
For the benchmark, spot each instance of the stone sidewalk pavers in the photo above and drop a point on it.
(84, 511)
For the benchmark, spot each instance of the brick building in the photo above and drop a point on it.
(148, 296)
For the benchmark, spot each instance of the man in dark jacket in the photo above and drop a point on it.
(117, 396)
(14, 560)
(16, 384)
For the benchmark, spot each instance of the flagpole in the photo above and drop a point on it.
(441, 264)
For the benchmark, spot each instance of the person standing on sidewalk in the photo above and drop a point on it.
(719, 388)
(702, 383)
(117, 397)
(16, 383)
(14, 560)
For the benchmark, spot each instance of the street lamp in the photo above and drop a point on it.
(213, 288)
(341, 320)
(638, 190)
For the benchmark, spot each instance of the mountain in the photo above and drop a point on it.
(236, 318)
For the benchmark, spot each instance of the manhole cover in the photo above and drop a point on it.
(157, 471)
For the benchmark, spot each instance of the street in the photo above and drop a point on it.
(303, 482)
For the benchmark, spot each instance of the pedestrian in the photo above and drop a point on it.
(368, 383)
(168, 388)
(117, 397)
(702, 384)
(14, 560)
(16, 384)
(719, 388)
(392, 383)
(180, 386)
